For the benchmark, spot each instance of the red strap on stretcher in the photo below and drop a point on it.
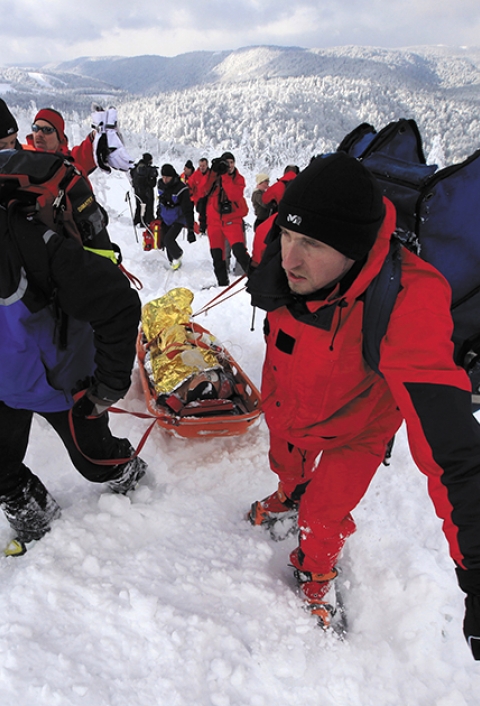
(113, 461)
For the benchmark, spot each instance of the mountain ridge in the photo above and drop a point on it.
(272, 105)
(151, 74)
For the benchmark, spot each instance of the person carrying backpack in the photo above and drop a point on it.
(68, 326)
(329, 415)
(262, 212)
(144, 178)
(272, 196)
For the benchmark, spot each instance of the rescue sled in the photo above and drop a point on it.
(214, 399)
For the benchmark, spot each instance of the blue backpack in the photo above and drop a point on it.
(438, 217)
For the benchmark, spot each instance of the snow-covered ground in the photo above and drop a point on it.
(170, 598)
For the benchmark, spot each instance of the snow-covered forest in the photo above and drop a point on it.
(276, 106)
(168, 596)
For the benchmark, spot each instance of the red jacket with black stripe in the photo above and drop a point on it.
(319, 393)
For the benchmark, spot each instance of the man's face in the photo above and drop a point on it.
(46, 142)
(231, 165)
(166, 179)
(309, 264)
(263, 186)
(203, 166)
(8, 143)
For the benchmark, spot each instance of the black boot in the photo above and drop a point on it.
(30, 510)
(242, 256)
(219, 267)
(127, 475)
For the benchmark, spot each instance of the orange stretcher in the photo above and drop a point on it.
(208, 417)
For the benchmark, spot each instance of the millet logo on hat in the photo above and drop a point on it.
(296, 220)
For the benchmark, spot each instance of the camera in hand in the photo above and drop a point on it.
(219, 165)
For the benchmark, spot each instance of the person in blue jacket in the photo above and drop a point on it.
(175, 211)
(68, 324)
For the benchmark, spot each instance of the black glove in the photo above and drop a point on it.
(101, 152)
(471, 624)
(191, 237)
(95, 401)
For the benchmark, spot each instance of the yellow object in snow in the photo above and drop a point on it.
(15, 548)
(177, 351)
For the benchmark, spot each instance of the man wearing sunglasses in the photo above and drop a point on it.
(103, 147)
(48, 135)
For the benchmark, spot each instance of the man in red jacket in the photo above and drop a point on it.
(101, 148)
(196, 184)
(330, 416)
(48, 135)
(226, 208)
(273, 195)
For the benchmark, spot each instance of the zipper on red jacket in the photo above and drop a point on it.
(341, 305)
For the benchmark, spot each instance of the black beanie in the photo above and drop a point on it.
(337, 201)
(189, 165)
(147, 157)
(227, 155)
(8, 124)
(168, 170)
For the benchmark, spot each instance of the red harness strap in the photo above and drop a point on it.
(114, 461)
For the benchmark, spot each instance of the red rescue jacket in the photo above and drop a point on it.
(81, 154)
(319, 393)
(276, 191)
(229, 186)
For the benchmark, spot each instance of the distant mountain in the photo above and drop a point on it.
(432, 67)
(272, 105)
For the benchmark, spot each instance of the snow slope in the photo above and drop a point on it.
(170, 598)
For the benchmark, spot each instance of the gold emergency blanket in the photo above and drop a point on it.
(176, 351)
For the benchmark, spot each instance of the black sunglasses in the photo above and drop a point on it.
(46, 129)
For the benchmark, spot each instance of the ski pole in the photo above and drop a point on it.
(127, 198)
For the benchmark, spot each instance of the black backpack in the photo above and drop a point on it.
(438, 216)
(49, 188)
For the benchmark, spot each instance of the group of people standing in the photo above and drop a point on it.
(330, 416)
(216, 193)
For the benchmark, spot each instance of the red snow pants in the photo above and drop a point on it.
(219, 232)
(335, 480)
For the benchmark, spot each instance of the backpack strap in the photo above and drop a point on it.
(379, 300)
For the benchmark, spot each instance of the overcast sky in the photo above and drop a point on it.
(57, 30)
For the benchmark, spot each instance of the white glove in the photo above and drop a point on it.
(109, 151)
(111, 119)
(99, 118)
(103, 120)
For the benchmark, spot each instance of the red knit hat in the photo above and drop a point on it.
(55, 119)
